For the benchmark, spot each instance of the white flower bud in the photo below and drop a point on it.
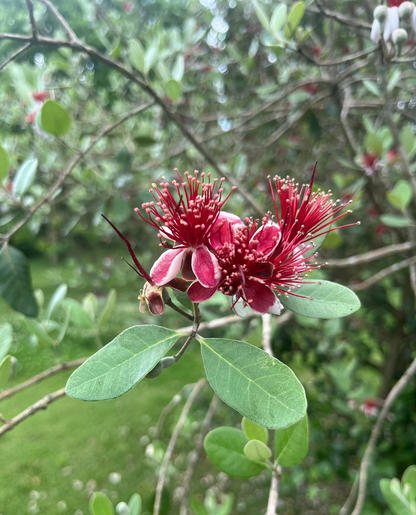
(406, 10)
(380, 13)
(399, 37)
(413, 20)
(392, 22)
(375, 32)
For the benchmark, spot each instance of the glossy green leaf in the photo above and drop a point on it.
(135, 505)
(35, 328)
(292, 443)
(278, 18)
(198, 507)
(178, 68)
(395, 221)
(330, 300)
(16, 282)
(409, 478)
(173, 90)
(254, 383)
(294, 18)
(100, 504)
(394, 498)
(24, 177)
(394, 79)
(401, 195)
(57, 297)
(373, 143)
(136, 54)
(372, 87)
(77, 314)
(225, 448)
(257, 450)
(6, 338)
(407, 138)
(261, 14)
(253, 431)
(4, 163)
(5, 370)
(120, 365)
(109, 307)
(55, 119)
(150, 58)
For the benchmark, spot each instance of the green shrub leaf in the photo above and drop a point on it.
(257, 450)
(292, 443)
(261, 15)
(278, 18)
(409, 478)
(55, 118)
(4, 163)
(24, 177)
(119, 366)
(5, 370)
(6, 338)
(136, 55)
(100, 504)
(57, 297)
(395, 221)
(173, 90)
(135, 505)
(225, 448)
(330, 300)
(109, 307)
(394, 498)
(294, 18)
(254, 431)
(254, 383)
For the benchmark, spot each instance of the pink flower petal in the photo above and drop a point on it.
(268, 236)
(205, 267)
(167, 266)
(187, 272)
(198, 293)
(223, 229)
(259, 296)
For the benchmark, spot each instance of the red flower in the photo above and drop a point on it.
(40, 96)
(311, 88)
(316, 50)
(31, 118)
(395, 3)
(188, 221)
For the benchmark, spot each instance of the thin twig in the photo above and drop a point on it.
(29, 6)
(383, 273)
(172, 443)
(194, 331)
(40, 377)
(15, 55)
(273, 492)
(375, 433)
(349, 503)
(195, 455)
(31, 410)
(169, 302)
(72, 36)
(373, 255)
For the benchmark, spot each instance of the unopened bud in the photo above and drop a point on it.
(375, 32)
(152, 299)
(380, 13)
(399, 37)
(156, 371)
(406, 10)
(168, 361)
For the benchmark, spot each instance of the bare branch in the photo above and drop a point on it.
(29, 5)
(31, 410)
(350, 57)
(15, 55)
(342, 18)
(373, 255)
(267, 333)
(62, 21)
(40, 377)
(273, 492)
(172, 443)
(375, 433)
(383, 273)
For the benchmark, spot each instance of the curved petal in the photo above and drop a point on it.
(277, 307)
(187, 272)
(413, 20)
(167, 266)
(259, 297)
(205, 267)
(392, 22)
(268, 236)
(223, 229)
(198, 293)
(375, 31)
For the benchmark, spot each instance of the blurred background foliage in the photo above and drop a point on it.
(260, 105)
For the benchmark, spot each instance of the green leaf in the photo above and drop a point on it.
(254, 383)
(178, 68)
(278, 18)
(57, 297)
(4, 163)
(24, 177)
(5, 370)
(150, 58)
(16, 282)
(257, 450)
(254, 431)
(173, 90)
(135, 505)
(55, 118)
(136, 54)
(119, 366)
(407, 139)
(372, 87)
(396, 221)
(35, 328)
(319, 241)
(225, 448)
(394, 79)
(330, 300)
(90, 305)
(394, 498)
(294, 18)
(401, 195)
(100, 504)
(109, 307)
(6, 338)
(373, 143)
(77, 314)
(409, 478)
(198, 507)
(261, 15)
(292, 443)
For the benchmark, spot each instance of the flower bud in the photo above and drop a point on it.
(380, 13)
(155, 371)
(152, 299)
(376, 31)
(399, 37)
(406, 10)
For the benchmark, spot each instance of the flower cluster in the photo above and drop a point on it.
(387, 22)
(252, 261)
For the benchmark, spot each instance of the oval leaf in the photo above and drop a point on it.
(407, 138)
(6, 338)
(394, 498)
(119, 366)
(35, 328)
(55, 118)
(254, 383)
(173, 90)
(24, 177)
(261, 15)
(77, 314)
(100, 504)
(278, 18)
(395, 221)
(109, 307)
(135, 505)
(5, 370)
(292, 443)
(293, 20)
(330, 300)
(16, 282)
(225, 448)
(254, 431)
(409, 478)
(4, 163)
(57, 297)
(136, 54)
(257, 451)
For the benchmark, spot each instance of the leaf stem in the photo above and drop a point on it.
(168, 302)
(195, 327)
